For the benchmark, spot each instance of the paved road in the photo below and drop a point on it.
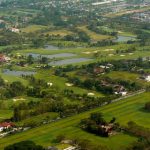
(124, 97)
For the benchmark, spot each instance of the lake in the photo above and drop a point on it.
(61, 55)
(124, 38)
(69, 61)
(17, 73)
(51, 47)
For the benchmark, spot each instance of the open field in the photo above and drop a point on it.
(130, 109)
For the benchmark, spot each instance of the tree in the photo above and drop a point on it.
(16, 88)
(24, 145)
(44, 60)
(147, 106)
(38, 42)
(30, 59)
(98, 118)
(16, 116)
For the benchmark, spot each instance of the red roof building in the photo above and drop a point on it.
(6, 125)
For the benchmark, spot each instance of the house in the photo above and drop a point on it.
(147, 78)
(119, 89)
(108, 128)
(4, 58)
(98, 70)
(6, 125)
(15, 30)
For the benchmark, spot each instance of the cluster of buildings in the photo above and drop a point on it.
(145, 77)
(6, 125)
(4, 58)
(7, 128)
(102, 69)
(142, 16)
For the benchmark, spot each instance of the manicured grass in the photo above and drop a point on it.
(81, 52)
(128, 76)
(123, 75)
(39, 119)
(130, 109)
(94, 36)
(62, 32)
(11, 78)
(60, 82)
(33, 28)
(123, 33)
(5, 114)
(133, 77)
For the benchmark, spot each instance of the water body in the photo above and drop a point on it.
(51, 47)
(61, 55)
(124, 38)
(17, 73)
(69, 61)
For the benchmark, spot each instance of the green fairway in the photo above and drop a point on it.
(130, 109)
(11, 78)
(128, 76)
(33, 28)
(60, 83)
(5, 114)
(94, 36)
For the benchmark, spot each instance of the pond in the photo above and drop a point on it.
(51, 47)
(61, 55)
(17, 73)
(69, 61)
(124, 38)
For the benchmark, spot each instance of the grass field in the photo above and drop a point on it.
(130, 109)
(33, 28)
(62, 32)
(5, 114)
(108, 53)
(128, 76)
(60, 83)
(11, 78)
(94, 36)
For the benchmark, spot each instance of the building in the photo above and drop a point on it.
(119, 89)
(98, 70)
(4, 58)
(15, 30)
(6, 125)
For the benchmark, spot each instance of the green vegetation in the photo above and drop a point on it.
(124, 111)
(33, 28)
(62, 61)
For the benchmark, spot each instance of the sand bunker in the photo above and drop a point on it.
(90, 94)
(18, 99)
(69, 84)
